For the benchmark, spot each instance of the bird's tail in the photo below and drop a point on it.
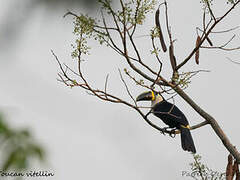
(187, 140)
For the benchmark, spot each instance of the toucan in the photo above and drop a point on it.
(171, 116)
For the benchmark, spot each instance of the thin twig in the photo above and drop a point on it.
(224, 31)
(222, 47)
(235, 62)
(126, 86)
(195, 126)
(105, 86)
(210, 10)
(206, 35)
(137, 82)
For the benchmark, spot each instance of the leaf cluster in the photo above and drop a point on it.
(231, 1)
(182, 79)
(18, 147)
(85, 27)
(203, 172)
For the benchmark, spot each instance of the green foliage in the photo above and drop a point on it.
(231, 1)
(155, 33)
(146, 7)
(206, 2)
(132, 12)
(84, 25)
(155, 51)
(18, 147)
(182, 79)
(83, 29)
(200, 171)
(210, 2)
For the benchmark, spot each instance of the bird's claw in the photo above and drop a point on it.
(164, 130)
(172, 133)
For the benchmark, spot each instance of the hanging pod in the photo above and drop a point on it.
(197, 52)
(157, 22)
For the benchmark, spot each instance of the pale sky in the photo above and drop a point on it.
(86, 138)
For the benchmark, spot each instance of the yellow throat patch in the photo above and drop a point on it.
(153, 96)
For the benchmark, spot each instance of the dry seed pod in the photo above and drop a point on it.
(197, 52)
(230, 158)
(160, 31)
(236, 170)
(235, 165)
(237, 176)
(172, 58)
(229, 169)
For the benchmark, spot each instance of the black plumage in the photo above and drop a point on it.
(170, 115)
(174, 118)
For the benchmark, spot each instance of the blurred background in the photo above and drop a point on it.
(84, 138)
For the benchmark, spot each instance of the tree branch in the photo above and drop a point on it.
(206, 35)
(226, 142)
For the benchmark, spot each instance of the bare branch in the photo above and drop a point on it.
(222, 47)
(223, 31)
(206, 35)
(105, 86)
(70, 13)
(159, 61)
(125, 84)
(210, 10)
(137, 82)
(204, 27)
(233, 61)
(115, 47)
(195, 126)
(218, 130)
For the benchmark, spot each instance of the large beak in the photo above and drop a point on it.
(146, 96)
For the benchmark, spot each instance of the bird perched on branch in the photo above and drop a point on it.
(170, 115)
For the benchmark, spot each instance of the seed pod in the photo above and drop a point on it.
(237, 176)
(209, 41)
(160, 31)
(197, 52)
(236, 170)
(172, 58)
(230, 158)
(229, 169)
(235, 165)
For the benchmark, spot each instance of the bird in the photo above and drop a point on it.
(171, 115)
